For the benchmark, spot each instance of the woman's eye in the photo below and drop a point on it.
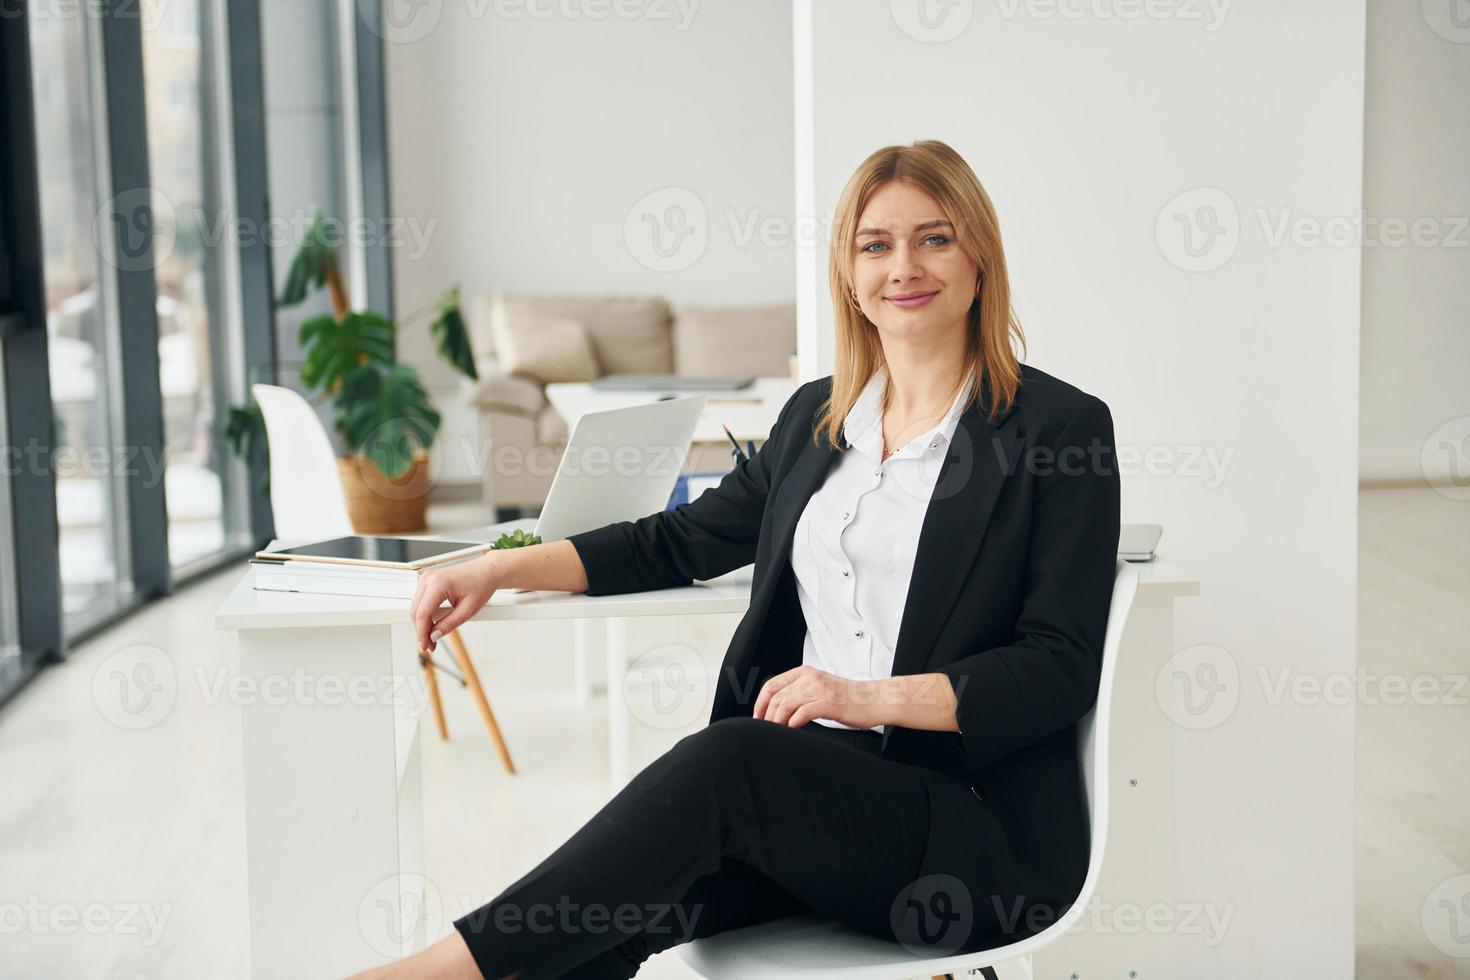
(943, 239)
(868, 247)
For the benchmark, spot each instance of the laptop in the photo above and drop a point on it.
(669, 382)
(1137, 542)
(619, 465)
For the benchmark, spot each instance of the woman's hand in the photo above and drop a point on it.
(466, 585)
(804, 693)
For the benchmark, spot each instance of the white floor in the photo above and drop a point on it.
(122, 854)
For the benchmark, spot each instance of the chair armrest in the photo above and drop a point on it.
(497, 390)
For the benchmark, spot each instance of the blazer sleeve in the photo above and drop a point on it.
(1047, 678)
(713, 534)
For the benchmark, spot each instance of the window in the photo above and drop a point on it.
(81, 330)
(203, 488)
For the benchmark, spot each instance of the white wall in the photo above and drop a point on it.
(1083, 129)
(530, 141)
(1416, 330)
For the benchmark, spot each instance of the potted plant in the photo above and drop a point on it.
(383, 418)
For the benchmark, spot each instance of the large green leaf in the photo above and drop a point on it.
(385, 414)
(309, 268)
(336, 348)
(244, 430)
(454, 341)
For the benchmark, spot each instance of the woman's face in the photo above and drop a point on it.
(906, 247)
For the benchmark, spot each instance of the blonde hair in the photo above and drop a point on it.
(935, 167)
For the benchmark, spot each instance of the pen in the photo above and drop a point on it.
(739, 454)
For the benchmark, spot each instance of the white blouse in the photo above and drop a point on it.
(854, 545)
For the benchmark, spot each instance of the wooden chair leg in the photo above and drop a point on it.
(432, 677)
(472, 680)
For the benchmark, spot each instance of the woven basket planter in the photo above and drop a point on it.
(378, 505)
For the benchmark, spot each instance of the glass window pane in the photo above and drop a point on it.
(201, 483)
(81, 333)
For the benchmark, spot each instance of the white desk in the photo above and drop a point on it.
(749, 412)
(333, 819)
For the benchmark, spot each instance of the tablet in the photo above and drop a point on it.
(384, 552)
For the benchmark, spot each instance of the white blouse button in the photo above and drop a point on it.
(845, 572)
(858, 631)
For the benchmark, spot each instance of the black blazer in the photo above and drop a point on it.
(1009, 595)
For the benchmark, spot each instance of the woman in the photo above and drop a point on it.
(892, 745)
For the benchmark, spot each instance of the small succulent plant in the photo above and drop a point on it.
(517, 539)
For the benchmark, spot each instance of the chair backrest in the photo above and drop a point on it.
(1093, 728)
(307, 499)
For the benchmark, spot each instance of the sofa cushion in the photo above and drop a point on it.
(629, 334)
(717, 341)
(542, 347)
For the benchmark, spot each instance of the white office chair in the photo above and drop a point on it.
(812, 948)
(308, 504)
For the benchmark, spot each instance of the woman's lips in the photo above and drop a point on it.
(914, 302)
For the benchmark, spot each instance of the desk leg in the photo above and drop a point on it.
(1129, 927)
(617, 703)
(326, 847)
(584, 641)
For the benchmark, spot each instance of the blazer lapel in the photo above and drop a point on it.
(980, 457)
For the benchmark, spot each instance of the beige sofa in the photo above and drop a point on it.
(523, 342)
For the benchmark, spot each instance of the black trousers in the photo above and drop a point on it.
(746, 821)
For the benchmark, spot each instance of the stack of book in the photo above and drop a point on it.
(369, 577)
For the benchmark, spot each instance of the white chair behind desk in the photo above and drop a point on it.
(309, 504)
(307, 500)
(811, 947)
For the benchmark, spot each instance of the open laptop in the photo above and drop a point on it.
(619, 465)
